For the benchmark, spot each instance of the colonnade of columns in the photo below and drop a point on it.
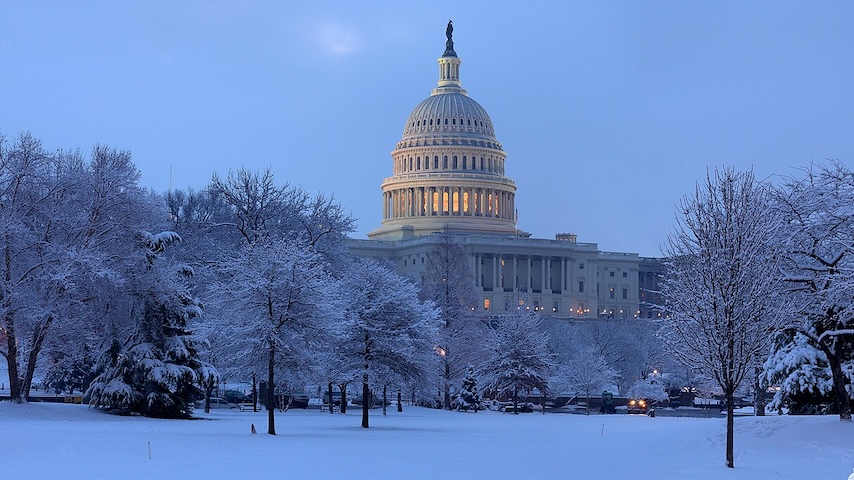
(448, 201)
(513, 272)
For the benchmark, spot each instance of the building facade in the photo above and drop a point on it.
(448, 179)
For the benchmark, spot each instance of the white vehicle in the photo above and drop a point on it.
(216, 402)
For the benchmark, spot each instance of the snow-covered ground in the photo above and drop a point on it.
(45, 440)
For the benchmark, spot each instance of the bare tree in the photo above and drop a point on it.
(387, 329)
(450, 285)
(520, 359)
(586, 373)
(276, 247)
(719, 286)
(275, 299)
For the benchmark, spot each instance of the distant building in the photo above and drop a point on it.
(448, 179)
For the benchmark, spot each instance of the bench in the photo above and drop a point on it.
(245, 407)
(325, 408)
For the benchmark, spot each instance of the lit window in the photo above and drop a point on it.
(486, 304)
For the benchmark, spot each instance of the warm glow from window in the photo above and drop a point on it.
(486, 304)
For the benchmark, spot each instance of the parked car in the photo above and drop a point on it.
(336, 397)
(300, 400)
(637, 405)
(521, 407)
(236, 396)
(216, 402)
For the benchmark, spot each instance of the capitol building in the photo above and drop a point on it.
(448, 179)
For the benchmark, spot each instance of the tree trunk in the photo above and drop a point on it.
(331, 398)
(515, 401)
(11, 336)
(271, 405)
(254, 394)
(399, 405)
(384, 400)
(343, 388)
(38, 337)
(730, 427)
(839, 389)
(208, 391)
(758, 395)
(366, 392)
(12, 364)
(447, 375)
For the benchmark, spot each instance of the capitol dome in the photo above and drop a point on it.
(448, 167)
(449, 115)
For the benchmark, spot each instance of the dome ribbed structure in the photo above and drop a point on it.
(448, 173)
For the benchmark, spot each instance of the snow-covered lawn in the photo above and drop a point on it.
(46, 440)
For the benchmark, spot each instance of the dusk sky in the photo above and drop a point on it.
(609, 112)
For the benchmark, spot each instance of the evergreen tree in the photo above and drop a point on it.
(155, 371)
(469, 397)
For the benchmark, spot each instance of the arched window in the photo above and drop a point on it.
(431, 122)
(445, 162)
(455, 163)
(436, 162)
(465, 163)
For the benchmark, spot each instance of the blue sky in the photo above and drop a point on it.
(609, 112)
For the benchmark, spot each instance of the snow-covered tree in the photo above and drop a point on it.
(519, 357)
(155, 371)
(271, 269)
(802, 373)
(653, 388)
(629, 346)
(449, 284)
(66, 224)
(273, 299)
(469, 396)
(586, 373)
(386, 328)
(719, 285)
(818, 268)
